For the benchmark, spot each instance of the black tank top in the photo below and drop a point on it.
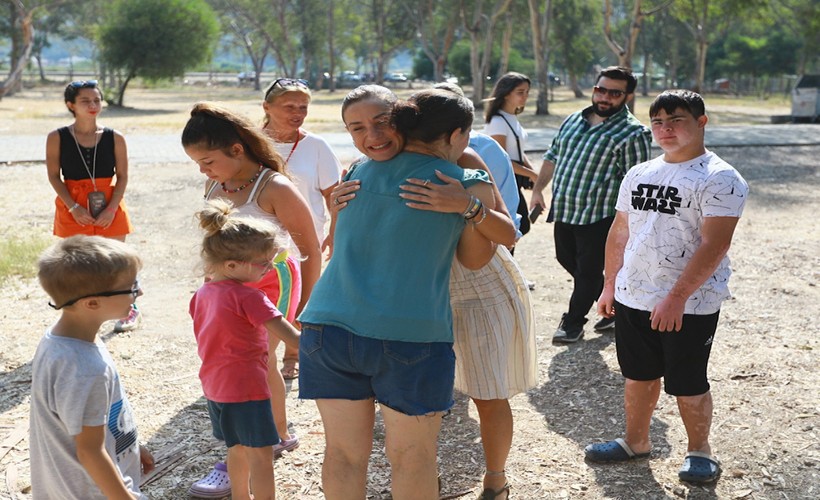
(71, 163)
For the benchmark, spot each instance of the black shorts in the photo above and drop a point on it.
(681, 358)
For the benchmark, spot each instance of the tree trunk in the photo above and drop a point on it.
(506, 43)
(14, 82)
(573, 84)
(331, 51)
(540, 24)
(121, 92)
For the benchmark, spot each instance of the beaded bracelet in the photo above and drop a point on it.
(75, 206)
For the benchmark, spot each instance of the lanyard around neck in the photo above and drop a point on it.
(92, 172)
(298, 136)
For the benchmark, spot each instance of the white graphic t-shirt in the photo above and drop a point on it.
(666, 204)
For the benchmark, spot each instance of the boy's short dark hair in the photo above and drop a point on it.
(84, 265)
(620, 73)
(670, 100)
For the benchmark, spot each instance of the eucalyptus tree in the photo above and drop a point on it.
(435, 23)
(480, 18)
(576, 29)
(709, 20)
(632, 17)
(540, 18)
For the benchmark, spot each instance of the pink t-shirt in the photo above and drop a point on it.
(232, 340)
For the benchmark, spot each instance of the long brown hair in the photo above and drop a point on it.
(503, 87)
(213, 127)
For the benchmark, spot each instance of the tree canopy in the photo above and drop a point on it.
(157, 38)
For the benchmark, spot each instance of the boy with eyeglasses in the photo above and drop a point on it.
(588, 157)
(83, 439)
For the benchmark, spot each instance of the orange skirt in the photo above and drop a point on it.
(64, 223)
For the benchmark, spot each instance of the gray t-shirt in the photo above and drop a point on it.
(73, 384)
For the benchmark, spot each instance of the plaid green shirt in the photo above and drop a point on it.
(590, 163)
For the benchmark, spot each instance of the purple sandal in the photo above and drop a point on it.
(216, 484)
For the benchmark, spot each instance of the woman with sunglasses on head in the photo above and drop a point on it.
(378, 326)
(309, 161)
(507, 100)
(87, 166)
(244, 168)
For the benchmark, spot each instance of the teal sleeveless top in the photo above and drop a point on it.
(389, 275)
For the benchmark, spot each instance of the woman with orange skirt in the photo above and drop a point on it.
(88, 169)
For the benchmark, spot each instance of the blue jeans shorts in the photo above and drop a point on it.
(413, 378)
(249, 423)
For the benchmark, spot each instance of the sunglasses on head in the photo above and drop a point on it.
(615, 93)
(286, 82)
(84, 84)
(134, 290)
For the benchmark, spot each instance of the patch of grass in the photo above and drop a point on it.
(18, 255)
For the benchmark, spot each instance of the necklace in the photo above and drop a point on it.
(243, 186)
(92, 173)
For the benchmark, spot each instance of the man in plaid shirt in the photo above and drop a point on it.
(586, 163)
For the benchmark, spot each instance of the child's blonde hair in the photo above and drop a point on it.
(84, 265)
(233, 237)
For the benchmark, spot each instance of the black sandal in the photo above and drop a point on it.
(489, 494)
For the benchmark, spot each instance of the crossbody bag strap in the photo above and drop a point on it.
(517, 140)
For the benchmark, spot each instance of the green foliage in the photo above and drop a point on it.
(575, 32)
(458, 62)
(771, 54)
(158, 39)
(422, 66)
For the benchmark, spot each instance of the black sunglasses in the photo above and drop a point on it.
(134, 290)
(615, 93)
(286, 82)
(84, 84)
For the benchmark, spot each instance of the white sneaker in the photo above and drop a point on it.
(130, 322)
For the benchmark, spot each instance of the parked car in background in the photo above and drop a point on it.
(349, 79)
(395, 77)
(246, 77)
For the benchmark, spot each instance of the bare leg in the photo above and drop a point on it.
(640, 398)
(348, 443)
(410, 442)
(260, 462)
(239, 473)
(696, 413)
(496, 423)
(278, 390)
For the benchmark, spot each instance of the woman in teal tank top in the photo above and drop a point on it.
(378, 325)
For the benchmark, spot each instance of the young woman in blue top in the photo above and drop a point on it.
(378, 324)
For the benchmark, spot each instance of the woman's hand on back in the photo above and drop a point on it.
(342, 194)
(450, 197)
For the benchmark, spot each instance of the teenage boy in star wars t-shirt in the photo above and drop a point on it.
(666, 277)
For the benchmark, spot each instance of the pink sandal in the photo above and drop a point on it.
(285, 445)
(216, 484)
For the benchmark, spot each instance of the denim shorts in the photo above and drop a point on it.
(249, 423)
(413, 378)
(681, 358)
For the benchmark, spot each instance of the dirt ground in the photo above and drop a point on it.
(764, 368)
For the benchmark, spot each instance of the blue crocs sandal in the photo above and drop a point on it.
(612, 451)
(699, 467)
